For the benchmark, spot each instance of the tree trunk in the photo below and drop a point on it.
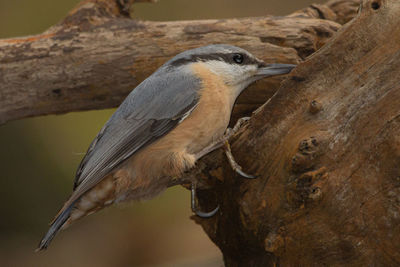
(325, 147)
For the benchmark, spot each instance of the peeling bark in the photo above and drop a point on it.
(97, 55)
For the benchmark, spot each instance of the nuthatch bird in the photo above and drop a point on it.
(169, 121)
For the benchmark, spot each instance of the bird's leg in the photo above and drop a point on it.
(224, 141)
(221, 141)
(195, 207)
(238, 125)
(228, 152)
(210, 148)
(235, 166)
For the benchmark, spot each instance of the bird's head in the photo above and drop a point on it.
(236, 66)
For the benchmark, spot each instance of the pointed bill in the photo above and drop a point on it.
(268, 70)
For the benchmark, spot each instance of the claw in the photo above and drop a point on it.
(195, 208)
(243, 174)
(235, 166)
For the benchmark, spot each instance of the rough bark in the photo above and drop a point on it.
(97, 54)
(326, 148)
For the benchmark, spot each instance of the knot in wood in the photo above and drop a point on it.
(307, 188)
(274, 242)
(315, 194)
(315, 107)
(307, 152)
(375, 5)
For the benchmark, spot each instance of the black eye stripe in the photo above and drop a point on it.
(225, 57)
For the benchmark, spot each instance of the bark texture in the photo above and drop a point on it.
(326, 148)
(97, 54)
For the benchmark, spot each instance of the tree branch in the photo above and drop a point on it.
(97, 55)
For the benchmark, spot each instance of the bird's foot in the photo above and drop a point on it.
(228, 152)
(224, 142)
(234, 165)
(195, 207)
(231, 131)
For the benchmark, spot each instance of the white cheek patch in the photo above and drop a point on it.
(233, 74)
(220, 68)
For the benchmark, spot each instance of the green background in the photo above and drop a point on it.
(39, 156)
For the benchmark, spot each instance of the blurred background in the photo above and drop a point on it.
(39, 156)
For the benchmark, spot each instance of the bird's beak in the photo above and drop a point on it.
(267, 70)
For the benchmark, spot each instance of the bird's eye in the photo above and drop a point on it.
(238, 58)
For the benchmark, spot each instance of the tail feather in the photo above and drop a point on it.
(55, 226)
(78, 205)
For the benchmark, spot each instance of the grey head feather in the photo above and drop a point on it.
(222, 52)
